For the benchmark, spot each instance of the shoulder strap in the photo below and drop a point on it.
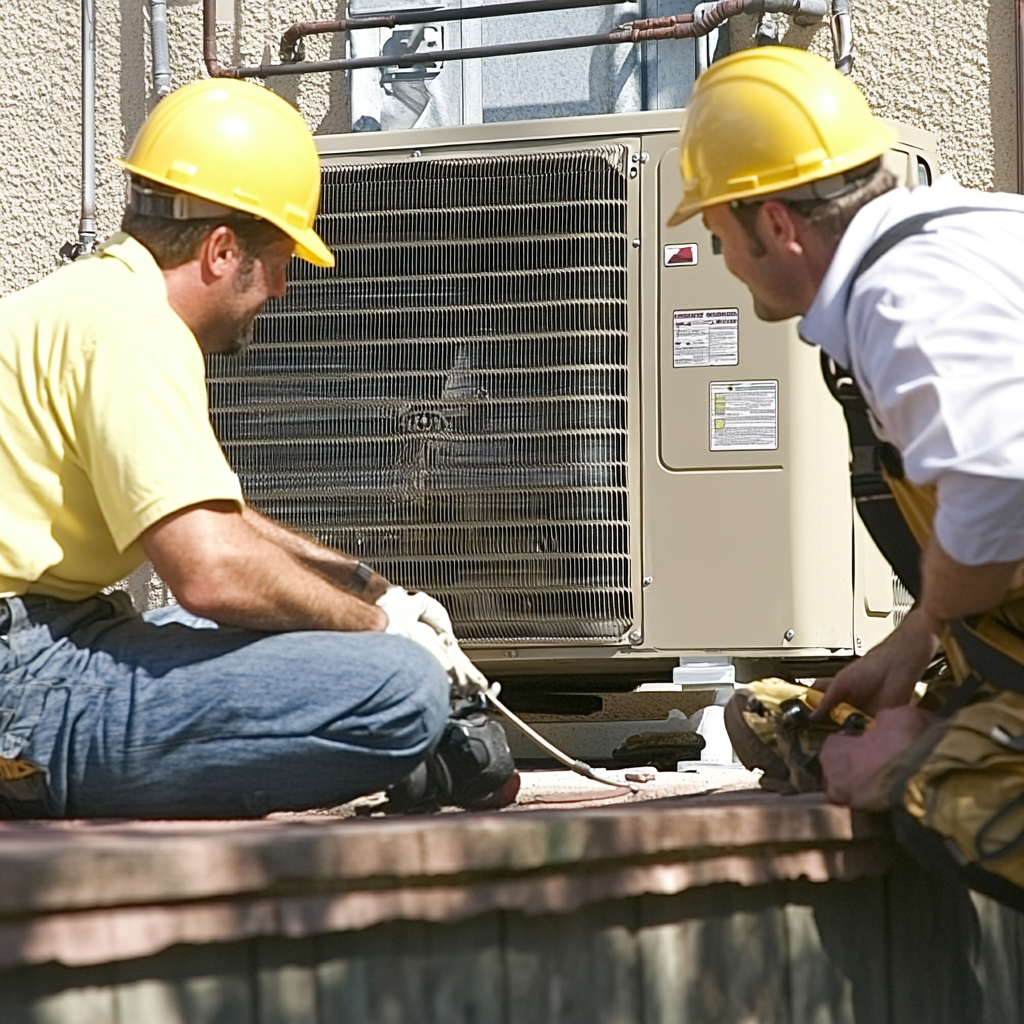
(915, 225)
(871, 495)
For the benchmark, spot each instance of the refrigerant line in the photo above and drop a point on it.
(290, 48)
(682, 26)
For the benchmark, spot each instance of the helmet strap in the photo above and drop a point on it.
(148, 202)
(823, 189)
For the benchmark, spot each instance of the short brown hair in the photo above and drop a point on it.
(174, 242)
(829, 216)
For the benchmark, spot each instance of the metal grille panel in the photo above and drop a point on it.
(450, 402)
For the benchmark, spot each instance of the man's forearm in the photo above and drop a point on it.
(221, 568)
(338, 568)
(951, 590)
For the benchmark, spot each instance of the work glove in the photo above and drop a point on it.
(422, 619)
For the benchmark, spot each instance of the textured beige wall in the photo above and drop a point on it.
(40, 104)
(946, 66)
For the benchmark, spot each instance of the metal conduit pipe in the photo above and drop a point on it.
(158, 42)
(412, 59)
(842, 36)
(681, 26)
(87, 223)
(291, 48)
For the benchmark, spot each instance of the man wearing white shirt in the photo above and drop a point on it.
(782, 157)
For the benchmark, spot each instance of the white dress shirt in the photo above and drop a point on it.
(933, 333)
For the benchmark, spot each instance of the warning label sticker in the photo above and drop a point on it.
(744, 415)
(681, 255)
(705, 337)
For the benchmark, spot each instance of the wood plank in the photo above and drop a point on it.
(932, 929)
(46, 867)
(580, 968)
(715, 956)
(286, 991)
(998, 961)
(837, 958)
(188, 985)
(53, 994)
(376, 975)
(467, 971)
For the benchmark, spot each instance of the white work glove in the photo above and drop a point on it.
(419, 617)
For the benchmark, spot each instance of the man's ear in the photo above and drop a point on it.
(778, 223)
(220, 254)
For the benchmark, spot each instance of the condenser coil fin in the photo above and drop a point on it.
(449, 403)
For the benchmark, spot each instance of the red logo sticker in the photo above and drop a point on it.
(681, 255)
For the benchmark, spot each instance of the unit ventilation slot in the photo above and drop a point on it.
(450, 402)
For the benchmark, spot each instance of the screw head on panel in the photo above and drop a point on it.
(648, 580)
(636, 243)
(788, 635)
(636, 636)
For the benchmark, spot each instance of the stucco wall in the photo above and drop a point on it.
(945, 66)
(40, 104)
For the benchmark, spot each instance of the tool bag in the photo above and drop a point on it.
(958, 792)
(769, 724)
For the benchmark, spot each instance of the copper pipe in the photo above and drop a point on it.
(682, 26)
(409, 60)
(213, 66)
(290, 48)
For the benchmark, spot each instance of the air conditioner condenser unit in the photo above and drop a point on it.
(519, 391)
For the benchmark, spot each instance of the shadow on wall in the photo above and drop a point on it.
(133, 68)
(1002, 94)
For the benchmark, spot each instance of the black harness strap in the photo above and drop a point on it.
(874, 501)
(871, 495)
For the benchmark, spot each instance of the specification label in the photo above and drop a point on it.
(705, 337)
(744, 415)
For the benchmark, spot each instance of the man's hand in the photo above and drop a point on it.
(425, 620)
(886, 676)
(220, 568)
(856, 767)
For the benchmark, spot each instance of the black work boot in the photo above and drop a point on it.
(470, 767)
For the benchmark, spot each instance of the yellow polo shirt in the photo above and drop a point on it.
(104, 423)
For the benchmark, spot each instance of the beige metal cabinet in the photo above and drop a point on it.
(681, 489)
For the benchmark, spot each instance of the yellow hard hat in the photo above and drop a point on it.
(240, 146)
(769, 119)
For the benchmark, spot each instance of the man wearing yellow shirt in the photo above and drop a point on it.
(278, 681)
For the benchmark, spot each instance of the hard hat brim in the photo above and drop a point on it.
(684, 211)
(310, 247)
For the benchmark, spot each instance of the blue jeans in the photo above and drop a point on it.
(167, 715)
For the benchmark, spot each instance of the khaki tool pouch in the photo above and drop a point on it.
(960, 808)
